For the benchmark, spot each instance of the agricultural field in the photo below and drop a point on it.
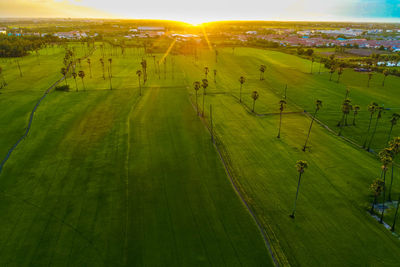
(121, 173)
(101, 185)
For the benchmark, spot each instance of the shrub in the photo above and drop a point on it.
(63, 88)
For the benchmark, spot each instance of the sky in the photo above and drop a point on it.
(196, 12)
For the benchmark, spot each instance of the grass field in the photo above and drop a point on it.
(111, 178)
(334, 219)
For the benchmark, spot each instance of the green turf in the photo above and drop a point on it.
(332, 226)
(108, 178)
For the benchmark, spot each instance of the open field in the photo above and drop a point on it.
(101, 185)
(111, 178)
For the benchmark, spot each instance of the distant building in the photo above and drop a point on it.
(149, 28)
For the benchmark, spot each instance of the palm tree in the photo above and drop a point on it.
(395, 146)
(102, 66)
(378, 117)
(90, 67)
(216, 56)
(74, 75)
(81, 74)
(255, 96)
(376, 188)
(386, 159)
(369, 78)
(215, 76)
(355, 113)
(346, 108)
(282, 105)
(196, 88)
(385, 74)
(393, 122)
(312, 63)
(110, 61)
(206, 71)
(204, 84)
(331, 71)
(372, 108)
(262, 70)
(143, 63)
(139, 73)
(241, 80)
(395, 216)
(301, 165)
(318, 106)
(64, 73)
(339, 73)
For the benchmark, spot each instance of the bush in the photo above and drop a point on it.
(63, 88)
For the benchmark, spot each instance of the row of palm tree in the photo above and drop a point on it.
(378, 187)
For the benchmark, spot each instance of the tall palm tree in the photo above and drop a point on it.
(356, 109)
(64, 73)
(74, 75)
(90, 67)
(102, 66)
(395, 147)
(386, 159)
(242, 79)
(372, 108)
(378, 117)
(206, 71)
(318, 106)
(81, 74)
(216, 56)
(143, 63)
(215, 76)
(346, 108)
(196, 86)
(139, 73)
(369, 78)
(110, 61)
(393, 122)
(385, 74)
(204, 84)
(376, 188)
(282, 104)
(301, 165)
(262, 70)
(255, 96)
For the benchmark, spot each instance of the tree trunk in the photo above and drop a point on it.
(309, 130)
(384, 195)
(369, 127)
(240, 94)
(390, 134)
(373, 134)
(76, 85)
(254, 102)
(395, 215)
(391, 183)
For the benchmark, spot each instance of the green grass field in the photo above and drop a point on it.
(110, 178)
(101, 186)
